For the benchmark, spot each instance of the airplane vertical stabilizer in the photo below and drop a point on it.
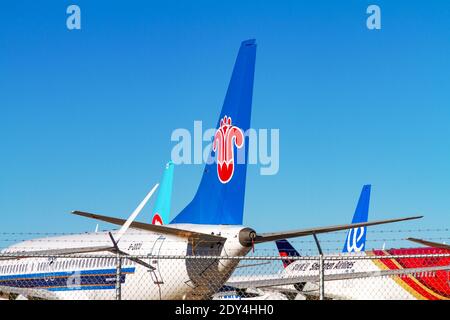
(356, 238)
(161, 211)
(220, 196)
(285, 249)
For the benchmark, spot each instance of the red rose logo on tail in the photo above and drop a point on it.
(224, 140)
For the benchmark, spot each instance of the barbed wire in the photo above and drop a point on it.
(131, 233)
(293, 241)
(346, 256)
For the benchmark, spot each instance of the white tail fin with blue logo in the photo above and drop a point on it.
(355, 240)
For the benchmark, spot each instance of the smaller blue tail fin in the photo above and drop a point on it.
(161, 211)
(285, 249)
(356, 238)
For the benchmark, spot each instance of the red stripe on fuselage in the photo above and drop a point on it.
(437, 283)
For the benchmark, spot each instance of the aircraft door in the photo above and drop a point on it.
(154, 262)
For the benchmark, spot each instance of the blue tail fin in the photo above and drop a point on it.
(220, 196)
(356, 238)
(161, 211)
(285, 249)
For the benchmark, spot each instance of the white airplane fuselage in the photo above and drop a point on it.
(95, 278)
(368, 288)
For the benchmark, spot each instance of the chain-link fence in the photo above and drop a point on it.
(377, 274)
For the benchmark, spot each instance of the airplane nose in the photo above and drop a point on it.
(246, 237)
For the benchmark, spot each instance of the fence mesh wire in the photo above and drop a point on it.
(377, 274)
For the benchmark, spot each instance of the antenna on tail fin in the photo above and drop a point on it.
(220, 196)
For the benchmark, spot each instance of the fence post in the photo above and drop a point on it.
(321, 278)
(118, 276)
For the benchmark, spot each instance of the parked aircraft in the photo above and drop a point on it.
(205, 233)
(410, 277)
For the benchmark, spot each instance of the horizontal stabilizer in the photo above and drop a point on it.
(154, 228)
(430, 243)
(265, 237)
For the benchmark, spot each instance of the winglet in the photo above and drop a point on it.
(430, 243)
(135, 213)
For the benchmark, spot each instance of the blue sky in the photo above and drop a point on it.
(86, 115)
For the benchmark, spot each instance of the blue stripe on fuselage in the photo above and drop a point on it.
(88, 279)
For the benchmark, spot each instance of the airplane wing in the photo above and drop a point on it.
(272, 282)
(27, 292)
(430, 243)
(154, 228)
(265, 237)
(259, 238)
